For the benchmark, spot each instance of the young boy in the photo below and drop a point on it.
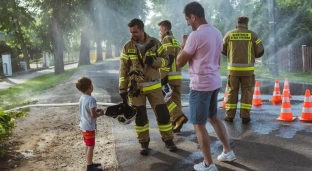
(88, 113)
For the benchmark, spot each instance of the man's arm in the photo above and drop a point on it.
(123, 71)
(225, 45)
(183, 56)
(259, 49)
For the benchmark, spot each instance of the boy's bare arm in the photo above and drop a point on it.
(96, 113)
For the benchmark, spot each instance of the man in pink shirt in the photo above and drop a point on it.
(202, 50)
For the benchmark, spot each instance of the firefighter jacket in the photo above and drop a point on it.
(242, 46)
(132, 67)
(172, 46)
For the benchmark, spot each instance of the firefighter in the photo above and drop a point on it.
(172, 75)
(241, 46)
(139, 78)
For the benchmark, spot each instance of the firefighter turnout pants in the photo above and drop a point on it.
(174, 111)
(156, 99)
(176, 94)
(234, 83)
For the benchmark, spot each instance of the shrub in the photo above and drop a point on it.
(7, 125)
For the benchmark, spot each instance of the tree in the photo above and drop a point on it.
(15, 20)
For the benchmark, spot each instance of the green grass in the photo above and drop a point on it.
(20, 94)
(264, 73)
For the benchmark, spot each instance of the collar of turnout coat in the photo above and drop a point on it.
(168, 33)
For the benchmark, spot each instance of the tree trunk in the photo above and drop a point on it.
(108, 51)
(58, 44)
(84, 57)
(99, 55)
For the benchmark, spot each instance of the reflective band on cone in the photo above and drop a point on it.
(256, 99)
(225, 98)
(286, 114)
(307, 108)
(276, 99)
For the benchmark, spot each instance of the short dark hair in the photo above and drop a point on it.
(242, 20)
(194, 8)
(166, 24)
(136, 22)
(83, 84)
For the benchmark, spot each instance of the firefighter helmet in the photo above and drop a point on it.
(128, 115)
(167, 92)
(124, 113)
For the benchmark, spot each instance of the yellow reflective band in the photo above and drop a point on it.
(131, 50)
(140, 129)
(240, 36)
(153, 87)
(174, 77)
(246, 106)
(163, 62)
(121, 79)
(160, 49)
(124, 56)
(231, 106)
(165, 128)
(175, 42)
(249, 51)
(231, 52)
(165, 69)
(258, 41)
(240, 68)
(150, 53)
(171, 107)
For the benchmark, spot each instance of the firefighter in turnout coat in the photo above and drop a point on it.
(172, 75)
(241, 46)
(139, 78)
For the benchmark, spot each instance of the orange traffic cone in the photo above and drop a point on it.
(276, 99)
(256, 99)
(307, 107)
(225, 98)
(286, 114)
(286, 87)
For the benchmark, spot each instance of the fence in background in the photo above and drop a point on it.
(295, 59)
(69, 57)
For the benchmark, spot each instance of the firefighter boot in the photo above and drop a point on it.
(179, 123)
(171, 146)
(144, 148)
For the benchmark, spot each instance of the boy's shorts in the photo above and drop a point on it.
(89, 137)
(203, 105)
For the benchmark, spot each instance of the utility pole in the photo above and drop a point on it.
(273, 61)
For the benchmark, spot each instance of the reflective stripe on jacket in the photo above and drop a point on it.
(241, 46)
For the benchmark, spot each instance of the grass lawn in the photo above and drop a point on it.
(18, 95)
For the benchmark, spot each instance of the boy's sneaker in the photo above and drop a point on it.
(170, 144)
(230, 156)
(96, 164)
(202, 167)
(144, 148)
(94, 169)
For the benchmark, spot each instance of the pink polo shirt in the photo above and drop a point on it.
(205, 46)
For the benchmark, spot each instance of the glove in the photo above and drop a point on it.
(124, 97)
(149, 60)
(164, 81)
